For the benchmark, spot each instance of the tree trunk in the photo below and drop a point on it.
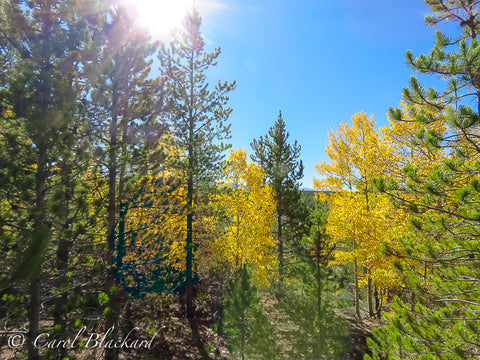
(356, 290)
(378, 304)
(190, 171)
(121, 237)
(63, 248)
(280, 243)
(319, 291)
(34, 318)
(122, 212)
(189, 252)
(318, 345)
(112, 182)
(39, 241)
(371, 313)
(112, 318)
(242, 334)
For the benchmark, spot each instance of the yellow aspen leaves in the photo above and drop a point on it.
(407, 140)
(360, 220)
(157, 218)
(357, 154)
(351, 222)
(247, 204)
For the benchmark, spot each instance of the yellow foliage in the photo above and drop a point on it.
(352, 224)
(357, 154)
(159, 217)
(9, 113)
(360, 220)
(402, 138)
(248, 205)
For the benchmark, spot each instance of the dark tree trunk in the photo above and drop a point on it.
(121, 221)
(318, 346)
(378, 303)
(369, 294)
(40, 233)
(280, 243)
(190, 171)
(189, 252)
(34, 318)
(356, 289)
(63, 248)
(112, 317)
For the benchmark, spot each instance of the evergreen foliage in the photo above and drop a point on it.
(246, 327)
(43, 149)
(284, 169)
(125, 129)
(311, 301)
(197, 120)
(439, 320)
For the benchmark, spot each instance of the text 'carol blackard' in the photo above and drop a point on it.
(85, 339)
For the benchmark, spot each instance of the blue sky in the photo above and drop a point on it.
(317, 61)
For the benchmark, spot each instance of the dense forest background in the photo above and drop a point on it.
(131, 230)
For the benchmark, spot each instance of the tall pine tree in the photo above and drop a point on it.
(42, 98)
(284, 169)
(124, 106)
(197, 121)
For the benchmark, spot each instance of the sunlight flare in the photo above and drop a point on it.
(159, 17)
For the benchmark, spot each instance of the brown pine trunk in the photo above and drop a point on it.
(34, 318)
(63, 248)
(123, 207)
(317, 347)
(40, 232)
(189, 253)
(112, 318)
(280, 243)
(189, 311)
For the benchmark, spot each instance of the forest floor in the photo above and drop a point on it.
(195, 339)
(360, 330)
(285, 330)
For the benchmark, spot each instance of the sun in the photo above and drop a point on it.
(159, 17)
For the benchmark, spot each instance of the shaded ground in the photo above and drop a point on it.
(360, 330)
(194, 339)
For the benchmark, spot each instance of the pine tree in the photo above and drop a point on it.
(326, 335)
(43, 99)
(320, 246)
(124, 105)
(246, 327)
(284, 169)
(197, 122)
(440, 318)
